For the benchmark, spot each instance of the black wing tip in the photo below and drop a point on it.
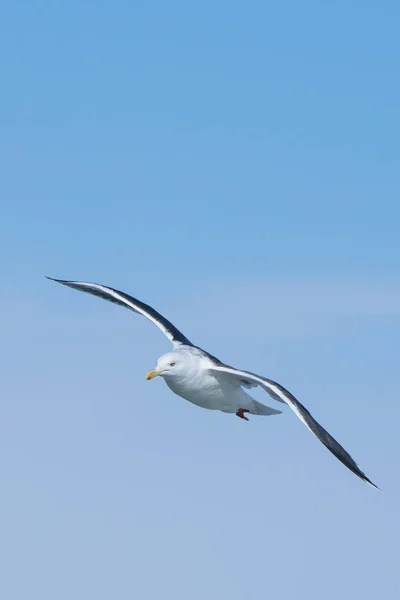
(62, 281)
(364, 478)
(357, 471)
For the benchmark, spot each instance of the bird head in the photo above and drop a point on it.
(168, 365)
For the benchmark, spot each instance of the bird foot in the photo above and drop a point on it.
(240, 413)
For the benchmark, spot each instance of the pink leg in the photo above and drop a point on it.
(240, 413)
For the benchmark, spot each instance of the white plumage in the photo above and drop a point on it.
(202, 379)
(193, 377)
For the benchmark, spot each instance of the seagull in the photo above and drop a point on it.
(202, 379)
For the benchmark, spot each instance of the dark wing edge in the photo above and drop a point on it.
(276, 390)
(324, 436)
(117, 297)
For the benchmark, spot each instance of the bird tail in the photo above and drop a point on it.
(261, 409)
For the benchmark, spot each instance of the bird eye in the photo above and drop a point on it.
(172, 364)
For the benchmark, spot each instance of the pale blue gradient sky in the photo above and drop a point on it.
(236, 166)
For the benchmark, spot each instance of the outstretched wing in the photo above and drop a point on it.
(117, 297)
(280, 393)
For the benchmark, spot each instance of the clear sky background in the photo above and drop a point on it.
(236, 165)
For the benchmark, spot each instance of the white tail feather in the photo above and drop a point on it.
(261, 409)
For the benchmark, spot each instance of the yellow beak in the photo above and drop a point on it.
(152, 374)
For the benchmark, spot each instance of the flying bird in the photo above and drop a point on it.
(204, 380)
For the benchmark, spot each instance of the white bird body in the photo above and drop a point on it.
(196, 383)
(205, 391)
(205, 381)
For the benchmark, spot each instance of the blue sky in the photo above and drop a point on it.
(236, 166)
